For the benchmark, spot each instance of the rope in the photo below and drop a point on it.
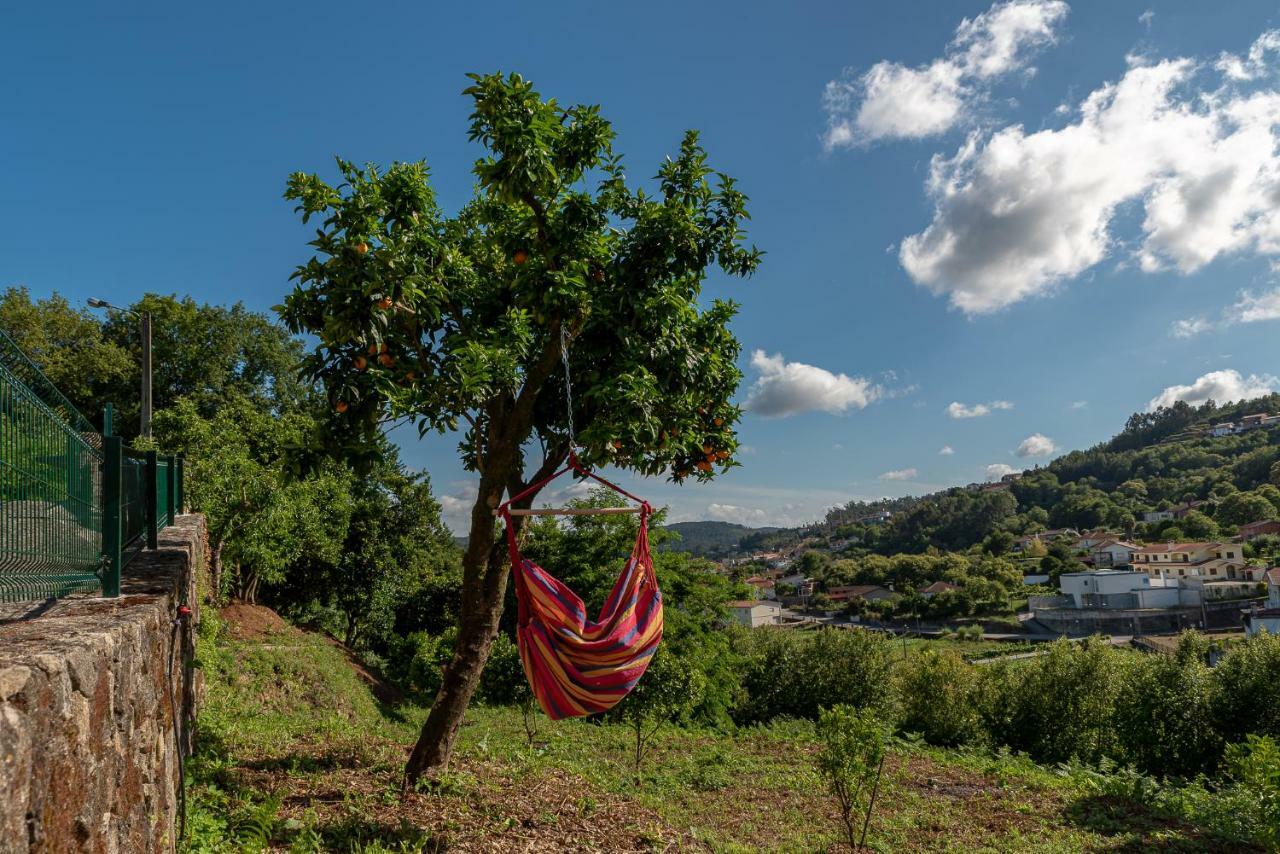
(568, 386)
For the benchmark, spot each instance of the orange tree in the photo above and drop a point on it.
(457, 322)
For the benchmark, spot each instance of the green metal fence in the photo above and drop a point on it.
(75, 506)
(50, 496)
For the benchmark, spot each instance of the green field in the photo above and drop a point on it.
(297, 753)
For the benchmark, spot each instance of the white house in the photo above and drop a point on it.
(1109, 553)
(753, 614)
(1106, 588)
(1266, 619)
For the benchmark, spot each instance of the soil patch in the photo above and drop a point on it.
(254, 622)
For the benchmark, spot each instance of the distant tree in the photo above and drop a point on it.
(69, 346)
(260, 520)
(1198, 526)
(1243, 507)
(998, 543)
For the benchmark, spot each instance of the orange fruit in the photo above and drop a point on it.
(373, 349)
(361, 363)
(703, 465)
(385, 348)
(617, 444)
(341, 406)
(520, 256)
(409, 377)
(717, 421)
(385, 360)
(362, 247)
(385, 303)
(706, 449)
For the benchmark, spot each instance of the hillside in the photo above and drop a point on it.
(1170, 458)
(296, 753)
(709, 538)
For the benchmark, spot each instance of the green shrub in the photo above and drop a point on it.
(1164, 715)
(1247, 689)
(797, 674)
(850, 759)
(1058, 706)
(938, 698)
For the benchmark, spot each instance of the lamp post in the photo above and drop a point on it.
(145, 318)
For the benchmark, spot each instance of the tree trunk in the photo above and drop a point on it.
(215, 568)
(484, 583)
(485, 569)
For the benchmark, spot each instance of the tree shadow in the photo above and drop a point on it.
(1135, 827)
(356, 833)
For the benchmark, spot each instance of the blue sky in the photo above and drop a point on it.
(1054, 213)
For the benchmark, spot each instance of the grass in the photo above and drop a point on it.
(296, 754)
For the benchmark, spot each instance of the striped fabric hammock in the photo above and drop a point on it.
(578, 666)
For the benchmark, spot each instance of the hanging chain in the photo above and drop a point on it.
(568, 386)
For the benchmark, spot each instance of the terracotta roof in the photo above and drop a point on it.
(856, 589)
(1273, 575)
(747, 603)
(939, 586)
(1167, 548)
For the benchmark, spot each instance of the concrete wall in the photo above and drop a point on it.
(89, 744)
(1078, 622)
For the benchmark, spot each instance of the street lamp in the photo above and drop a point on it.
(145, 317)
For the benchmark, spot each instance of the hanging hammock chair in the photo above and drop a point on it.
(578, 666)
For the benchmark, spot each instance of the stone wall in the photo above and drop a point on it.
(89, 749)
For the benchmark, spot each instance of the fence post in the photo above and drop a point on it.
(108, 420)
(181, 500)
(171, 472)
(111, 532)
(153, 510)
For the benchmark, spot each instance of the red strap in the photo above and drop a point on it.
(574, 465)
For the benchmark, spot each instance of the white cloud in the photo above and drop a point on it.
(1252, 308)
(956, 409)
(995, 471)
(946, 451)
(733, 513)
(1249, 307)
(1036, 445)
(1254, 64)
(1017, 213)
(787, 388)
(1219, 386)
(1079, 404)
(1190, 327)
(455, 507)
(891, 100)
(1147, 17)
(900, 474)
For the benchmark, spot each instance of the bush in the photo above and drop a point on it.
(850, 760)
(1247, 689)
(938, 699)
(1255, 764)
(795, 674)
(1164, 717)
(1056, 707)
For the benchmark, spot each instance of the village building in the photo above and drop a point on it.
(753, 614)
